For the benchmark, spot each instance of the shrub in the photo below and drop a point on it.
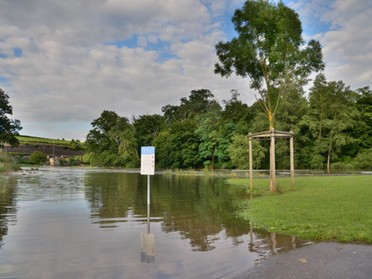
(37, 158)
(7, 163)
(364, 159)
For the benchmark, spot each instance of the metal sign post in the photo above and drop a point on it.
(148, 165)
(148, 239)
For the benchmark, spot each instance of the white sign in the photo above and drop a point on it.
(148, 160)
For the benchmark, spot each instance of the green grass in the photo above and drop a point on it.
(327, 208)
(7, 163)
(35, 140)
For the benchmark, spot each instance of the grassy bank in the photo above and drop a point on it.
(37, 140)
(334, 208)
(7, 163)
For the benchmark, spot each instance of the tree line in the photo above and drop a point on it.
(332, 123)
(332, 127)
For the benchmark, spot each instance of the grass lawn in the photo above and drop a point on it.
(327, 208)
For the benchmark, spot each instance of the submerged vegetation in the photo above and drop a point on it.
(324, 208)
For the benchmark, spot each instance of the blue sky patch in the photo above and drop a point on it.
(4, 81)
(130, 43)
(17, 52)
(3, 55)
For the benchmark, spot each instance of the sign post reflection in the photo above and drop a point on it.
(148, 242)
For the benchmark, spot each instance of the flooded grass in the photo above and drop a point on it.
(326, 208)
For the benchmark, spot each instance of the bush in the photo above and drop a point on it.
(7, 163)
(37, 158)
(343, 166)
(71, 161)
(364, 159)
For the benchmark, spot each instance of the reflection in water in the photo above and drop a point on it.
(199, 208)
(92, 223)
(147, 242)
(266, 244)
(8, 191)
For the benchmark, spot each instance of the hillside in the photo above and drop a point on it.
(57, 147)
(38, 140)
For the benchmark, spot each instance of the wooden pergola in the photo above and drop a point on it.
(273, 134)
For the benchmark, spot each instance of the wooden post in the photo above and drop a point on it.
(272, 161)
(250, 166)
(291, 160)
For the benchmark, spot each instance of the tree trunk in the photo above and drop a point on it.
(272, 162)
(272, 152)
(329, 162)
(212, 159)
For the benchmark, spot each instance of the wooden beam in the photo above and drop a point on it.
(250, 168)
(291, 161)
(268, 134)
(272, 162)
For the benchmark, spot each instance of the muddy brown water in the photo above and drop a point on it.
(94, 223)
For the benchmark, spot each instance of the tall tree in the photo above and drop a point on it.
(147, 127)
(363, 130)
(9, 128)
(269, 50)
(332, 112)
(192, 107)
(110, 142)
(209, 132)
(178, 146)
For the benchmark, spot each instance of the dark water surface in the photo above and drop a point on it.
(89, 223)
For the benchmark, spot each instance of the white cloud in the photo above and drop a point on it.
(68, 73)
(70, 69)
(347, 46)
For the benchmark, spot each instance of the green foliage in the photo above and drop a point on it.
(71, 161)
(364, 160)
(179, 146)
(321, 208)
(7, 163)
(332, 112)
(269, 49)
(75, 145)
(190, 108)
(111, 142)
(329, 129)
(37, 140)
(239, 152)
(37, 158)
(9, 128)
(147, 128)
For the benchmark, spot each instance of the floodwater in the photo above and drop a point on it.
(93, 223)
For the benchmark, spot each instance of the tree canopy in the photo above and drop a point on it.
(269, 49)
(9, 128)
(332, 128)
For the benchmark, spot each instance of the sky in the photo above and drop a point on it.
(63, 63)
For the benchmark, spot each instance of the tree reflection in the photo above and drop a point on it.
(199, 208)
(8, 189)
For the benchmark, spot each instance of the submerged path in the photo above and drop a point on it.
(321, 260)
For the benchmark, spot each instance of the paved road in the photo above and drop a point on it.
(317, 261)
